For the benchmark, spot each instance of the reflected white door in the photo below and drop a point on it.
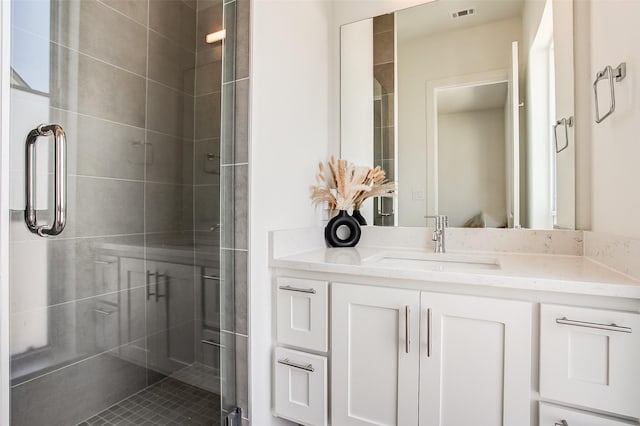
(513, 142)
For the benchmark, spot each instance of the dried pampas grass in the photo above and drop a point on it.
(346, 185)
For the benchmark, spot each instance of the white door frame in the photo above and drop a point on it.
(5, 84)
(433, 86)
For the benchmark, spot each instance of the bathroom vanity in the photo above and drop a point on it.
(524, 331)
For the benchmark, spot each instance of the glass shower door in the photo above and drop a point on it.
(114, 272)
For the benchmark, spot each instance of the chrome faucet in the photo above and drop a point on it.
(441, 222)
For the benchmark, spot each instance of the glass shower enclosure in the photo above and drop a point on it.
(117, 305)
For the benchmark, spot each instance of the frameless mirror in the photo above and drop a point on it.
(468, 105)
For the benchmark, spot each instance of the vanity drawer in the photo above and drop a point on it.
(301, 387)
(589, 357)
(553, 415)
(302, 313)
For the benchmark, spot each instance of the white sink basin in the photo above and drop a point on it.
(451, 262)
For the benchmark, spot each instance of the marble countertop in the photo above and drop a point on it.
(542, 272)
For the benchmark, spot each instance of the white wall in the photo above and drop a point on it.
(432, 58)
(4, 212)
(471, 160)
(356, 97)
(615, 145)
(292, 51)
(565, 108)
(537, 33)
(346, 12)
(583, 111)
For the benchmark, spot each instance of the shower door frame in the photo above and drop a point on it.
(5, 85)
(5, 82)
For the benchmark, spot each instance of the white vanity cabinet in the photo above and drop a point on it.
(403, 357)
(475, 361)
(355, 350)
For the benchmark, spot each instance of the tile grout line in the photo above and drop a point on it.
(119, 123)
(74, 363)
(144, 202)
(105, 236)
(82, 299)
(197, 275)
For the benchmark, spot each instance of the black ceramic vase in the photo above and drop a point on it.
(342, 219)
(358, 217)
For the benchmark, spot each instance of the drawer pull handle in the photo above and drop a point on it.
(561, 423)
(211, 277)
(288, 363)
(212, 343)
(299, 290)
(609, 327)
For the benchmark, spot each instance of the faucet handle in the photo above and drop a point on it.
(441, 220)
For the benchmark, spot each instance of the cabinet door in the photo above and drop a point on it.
(589, 357)
(374, 343)
(475, 361)
(170, 324)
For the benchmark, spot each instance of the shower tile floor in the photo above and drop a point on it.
(169, 402)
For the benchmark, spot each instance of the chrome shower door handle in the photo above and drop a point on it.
(59, 183)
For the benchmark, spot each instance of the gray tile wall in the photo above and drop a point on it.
(384, 138)
(140, 95)
(96, 321)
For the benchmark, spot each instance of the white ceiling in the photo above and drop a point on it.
(472, 98)
(435, 17)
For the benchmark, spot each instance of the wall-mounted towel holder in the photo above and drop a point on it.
(566, 122)
(609, 73)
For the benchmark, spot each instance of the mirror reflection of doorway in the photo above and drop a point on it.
(472, 165)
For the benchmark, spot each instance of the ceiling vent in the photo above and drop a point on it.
(462, 13)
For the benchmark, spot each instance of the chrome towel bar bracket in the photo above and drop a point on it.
(609, 73)
(566, 122)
